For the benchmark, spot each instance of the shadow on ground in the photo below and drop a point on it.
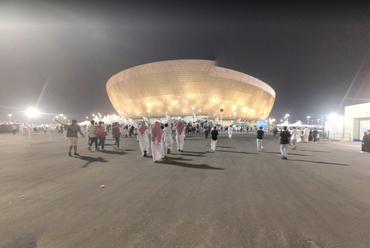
(294, 154)
(313, 151)
(190, 155)
(318, 162)
(171, 161)
(194, 152)
(118, 151)
(91, 160)
(234, 152)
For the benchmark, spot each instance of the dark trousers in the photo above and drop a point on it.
(101, 142)
(117, 141)
(206, 134)
(94, 140)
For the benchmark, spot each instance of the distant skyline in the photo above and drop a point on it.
(60, 55)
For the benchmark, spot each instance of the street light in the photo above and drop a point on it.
(193, 113)
(221, 110)
(10, 118)
(308, 119)
(32, 113)
(149, 113)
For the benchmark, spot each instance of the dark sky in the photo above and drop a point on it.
(308, 52)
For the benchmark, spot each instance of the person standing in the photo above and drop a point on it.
(274, 131)
(116, 134)
(294, 133)
(206, 129)
(180, 136)
(143, 139)
(168, 141)
(284, 141)
(366, 142)
(100, 134)
(214, 135)
(72, 135)
(92, 136)
(14, 129)
(314, 134)
(260, 134)
(157, 145)
(306, 133)
(230, 131)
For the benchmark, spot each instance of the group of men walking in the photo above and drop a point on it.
(162, 139)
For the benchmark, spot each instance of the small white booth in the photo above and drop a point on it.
(357, 120)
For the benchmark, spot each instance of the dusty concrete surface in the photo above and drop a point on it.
(234, 197)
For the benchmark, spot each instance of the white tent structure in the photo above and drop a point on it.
(96, 119)
(84, 123)
(285, 123)
(298, 124)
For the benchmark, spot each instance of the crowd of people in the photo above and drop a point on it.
(162, 136)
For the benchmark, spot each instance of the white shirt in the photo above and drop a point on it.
(294, 134)
(91, 130)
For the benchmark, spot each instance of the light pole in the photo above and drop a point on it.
(287, 117)
(149, 115)
(221, 110)
(10, 118)
(234, 115)
(308, 119)
(193, 113)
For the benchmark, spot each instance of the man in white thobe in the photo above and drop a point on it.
(306, 134)
(143, 139)
(230, 131)
(157, 142)
(180, 136)
(168, 141)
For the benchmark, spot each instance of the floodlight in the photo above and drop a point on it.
(32, 113)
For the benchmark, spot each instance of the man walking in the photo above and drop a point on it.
(214, 135)
(294, 135)
(284, 141)
(116, 134)
(260, 134)
(168, 141)
(72, 135)
(206, 129)
(100, 134)
(91, 129)
(314, 133)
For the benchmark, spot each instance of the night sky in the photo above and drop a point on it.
(309, 53)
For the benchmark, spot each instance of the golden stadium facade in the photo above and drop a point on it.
(175, 87)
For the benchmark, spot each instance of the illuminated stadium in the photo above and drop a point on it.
(177, 88)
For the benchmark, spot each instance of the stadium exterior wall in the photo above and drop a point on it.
(175, 87)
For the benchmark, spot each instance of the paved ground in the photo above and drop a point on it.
(234, 197)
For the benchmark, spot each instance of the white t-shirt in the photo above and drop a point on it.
(294, 134)
(91, 130)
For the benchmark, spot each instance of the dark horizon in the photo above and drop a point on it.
(310, 54)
